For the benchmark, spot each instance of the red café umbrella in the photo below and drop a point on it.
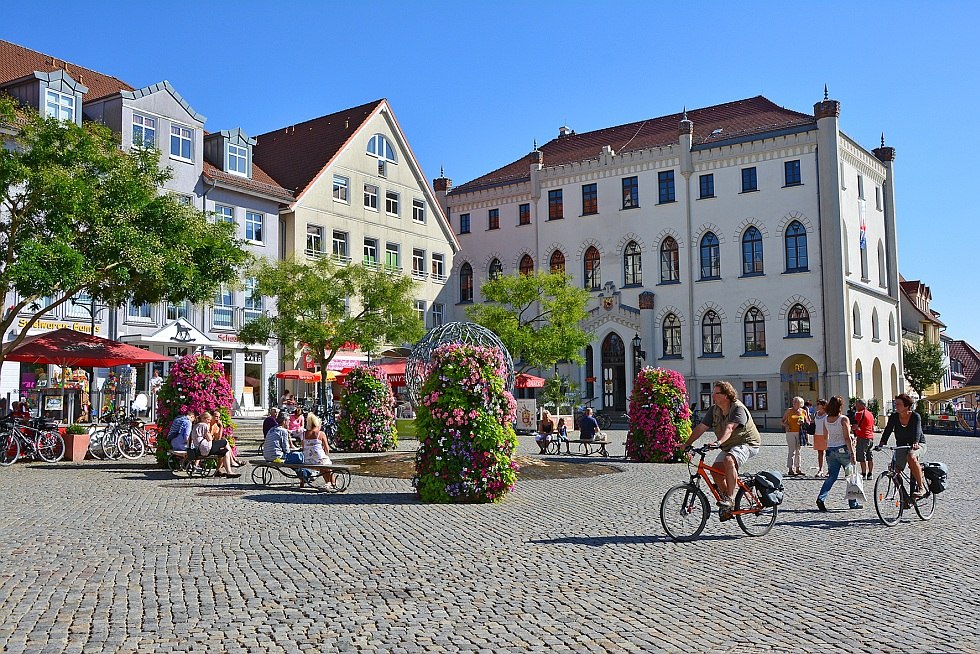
(524, 380)
(68, 348)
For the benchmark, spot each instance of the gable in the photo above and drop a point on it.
(164, 100)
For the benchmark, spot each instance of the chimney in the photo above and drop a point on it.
(442, 183)
(685, 139)
(564, 131)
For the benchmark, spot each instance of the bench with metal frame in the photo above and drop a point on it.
(335, 476)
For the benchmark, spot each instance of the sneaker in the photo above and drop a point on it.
(725, 503)
(233, 475)
(821, 506)
(856, 506)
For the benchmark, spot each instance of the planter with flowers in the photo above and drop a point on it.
(367, 416)
(660, 419)
(465, 427)
(195, 383)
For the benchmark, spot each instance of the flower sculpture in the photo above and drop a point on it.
(367, 417)
(465, 425)
(659, 416)
(196, 383)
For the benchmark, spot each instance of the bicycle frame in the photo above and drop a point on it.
(702, 473)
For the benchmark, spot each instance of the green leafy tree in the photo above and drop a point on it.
(311, 308)
(79, 214)
(536, 316)
(923, 364)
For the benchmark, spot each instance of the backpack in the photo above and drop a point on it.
(936, 475)
(769, 486)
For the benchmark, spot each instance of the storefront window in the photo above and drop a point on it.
(254, 376)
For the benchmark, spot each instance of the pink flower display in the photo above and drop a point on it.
(660, 419)
(465, 426)
(367, 412)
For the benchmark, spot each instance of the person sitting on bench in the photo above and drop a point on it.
(589, 427)
(276, 444)
(545, 430)
(180, 431)
(316, 449)
(208, 446)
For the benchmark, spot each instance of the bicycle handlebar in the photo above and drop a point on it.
(707, 447)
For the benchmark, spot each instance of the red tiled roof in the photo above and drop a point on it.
(734, 119)
(260, 182)
(295, 155)
(970, 358)
(16, 61)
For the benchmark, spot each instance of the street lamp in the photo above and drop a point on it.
(638, 355)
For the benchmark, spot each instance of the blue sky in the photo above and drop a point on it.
(473, 85)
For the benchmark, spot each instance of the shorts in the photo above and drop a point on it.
(741, 454)
(862, 452)
(218, 447)
(901, 458)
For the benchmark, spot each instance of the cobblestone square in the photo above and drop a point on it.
(122, 557)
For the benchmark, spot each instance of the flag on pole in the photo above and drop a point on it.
(864, 227)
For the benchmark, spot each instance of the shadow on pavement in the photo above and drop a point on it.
(615, 539)
(296, 496)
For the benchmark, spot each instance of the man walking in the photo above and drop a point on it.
(863, 428)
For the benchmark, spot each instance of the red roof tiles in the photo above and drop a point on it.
(295, 155)
(733, 119)
(260, 182)
(16, 61)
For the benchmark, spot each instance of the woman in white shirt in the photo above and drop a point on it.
(840, 449)
(316, 448)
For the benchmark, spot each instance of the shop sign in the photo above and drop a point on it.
(83, 327)
(799, 375)
(230, 338)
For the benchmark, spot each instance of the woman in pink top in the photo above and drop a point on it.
(295, 425)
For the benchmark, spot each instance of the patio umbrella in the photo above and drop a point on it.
(305, 375)
(524, 380)
(68, 348)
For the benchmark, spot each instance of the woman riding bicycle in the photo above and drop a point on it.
(907, 426)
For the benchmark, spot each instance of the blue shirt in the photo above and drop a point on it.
(588, 427)
(180, 432)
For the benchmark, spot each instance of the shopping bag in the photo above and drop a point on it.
(855, 488)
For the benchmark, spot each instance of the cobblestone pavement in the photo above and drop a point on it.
(121, 557)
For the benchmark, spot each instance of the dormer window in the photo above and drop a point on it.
(144, 131)
(59, 105)
(380, 147)
(181, 140)
(237, 160)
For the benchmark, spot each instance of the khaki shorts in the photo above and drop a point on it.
(741, 454)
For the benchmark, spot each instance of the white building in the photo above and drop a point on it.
(766, 264)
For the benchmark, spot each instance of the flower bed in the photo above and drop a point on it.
(465, 427)
(367, 417)
(660, 419)
(195, 383)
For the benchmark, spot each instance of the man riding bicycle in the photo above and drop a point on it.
(907, 426)
(737, 437)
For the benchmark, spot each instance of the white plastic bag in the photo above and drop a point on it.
(855, 488)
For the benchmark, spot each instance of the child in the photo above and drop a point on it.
(563, 435)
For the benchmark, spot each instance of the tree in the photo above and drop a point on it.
(536, 316)
(923, 364)
(79, 214)
(312, 308)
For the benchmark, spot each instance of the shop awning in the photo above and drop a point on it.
(395, 372)
(306, 375)
(952, 394)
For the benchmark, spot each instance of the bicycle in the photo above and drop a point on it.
(685, 509)
(605, 421)
(132, 440)
(892, 498)
(37, 439)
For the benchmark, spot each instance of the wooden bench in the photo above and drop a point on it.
(336, 476)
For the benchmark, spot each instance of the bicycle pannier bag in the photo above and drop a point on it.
(937, 475)
(769, 485)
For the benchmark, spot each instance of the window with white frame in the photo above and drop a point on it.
(380, 147)
(314, 240)
(341, 188)
(144, 131)
(391, 203)
(438, 267)
(371, 196)
(418, 210)
(340, 250)
(177, 311)
(224, 214)
(59, 105)
(253, 301)
(139, 312)
(418, 263)
(438, 314)
(237, 160)
(393, 257)
(223, 311)
(181, 140)
(371, 252)
(253, 226)
(184, 199)
(420, 310)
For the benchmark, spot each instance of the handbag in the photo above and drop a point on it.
(855, 488)
(811, 428)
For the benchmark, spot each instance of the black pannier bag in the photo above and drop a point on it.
(937, 476)
(769, 487)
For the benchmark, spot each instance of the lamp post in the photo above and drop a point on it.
(638, 355)
(92, 311)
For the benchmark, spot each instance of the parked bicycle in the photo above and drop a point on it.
(604, 419)
(36, 438)
(685, 508)
(892, 498)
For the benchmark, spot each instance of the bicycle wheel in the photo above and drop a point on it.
(110, 444)
(888, 499)
(95, 444)
(762, 518)
(925, 506)
(130, 445)
(341, 480)
(261, 475)
(684, 512)
(149, 438)
(9, 449)
(50, 446)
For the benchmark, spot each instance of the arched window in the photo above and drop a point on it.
(799, 321)
(796, 255)
(710, 334)
(882, 273)
(670, 270)
(710, 257)
(526, 267)
(891, 328)
(496, 270)
(856, 319)
(672, 336)
(379, 146)
(466, 283)
(755, 331)
(557, 262)
(593, 277)
(875, 332)
(632, 264)
(752, 252)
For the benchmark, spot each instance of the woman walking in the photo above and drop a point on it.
(794, 421)
(840, 450)
(819, 436)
